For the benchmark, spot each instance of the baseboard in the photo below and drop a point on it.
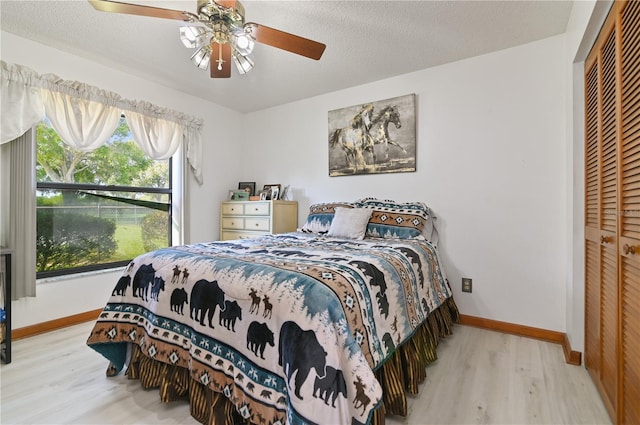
(571, 357)
(53, 325)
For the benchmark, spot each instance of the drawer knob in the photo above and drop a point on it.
(257, 224)
(628, 249)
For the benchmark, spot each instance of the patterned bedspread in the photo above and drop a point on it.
(288, 327)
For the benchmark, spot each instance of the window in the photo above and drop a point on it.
(99, 209)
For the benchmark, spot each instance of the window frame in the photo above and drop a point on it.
(110, 188)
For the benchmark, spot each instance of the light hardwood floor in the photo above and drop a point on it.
(481, 377)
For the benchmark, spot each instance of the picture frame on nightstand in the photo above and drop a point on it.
(238, 195)
(250, 187)
(284, 195)
(274, 190)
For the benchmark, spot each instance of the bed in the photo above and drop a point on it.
(330, 324)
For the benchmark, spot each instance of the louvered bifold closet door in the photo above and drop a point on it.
(630, 226)
(592, 219)
(601, 245)
(609, 222)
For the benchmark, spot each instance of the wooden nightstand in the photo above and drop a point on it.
(248, 219)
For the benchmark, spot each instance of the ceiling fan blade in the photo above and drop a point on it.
(220, 54)
(285, 41)
(136, 9)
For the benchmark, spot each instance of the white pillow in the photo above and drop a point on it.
(350, 223)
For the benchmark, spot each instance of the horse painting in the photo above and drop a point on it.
(355, 138)
(376, 137)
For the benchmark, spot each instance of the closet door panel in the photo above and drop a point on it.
(612, 212)
(609, 222)
(592, 221)
(602, 191)
(629, 243)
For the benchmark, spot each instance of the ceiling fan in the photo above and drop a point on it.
(220, 34)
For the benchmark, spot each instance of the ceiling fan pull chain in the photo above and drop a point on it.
(219, 57)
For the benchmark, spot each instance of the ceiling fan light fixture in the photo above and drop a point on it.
(243, 63)
(218, 28)
(193, 36)
(243, 42)
(201, 57)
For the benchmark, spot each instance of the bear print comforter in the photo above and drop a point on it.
(289, 327)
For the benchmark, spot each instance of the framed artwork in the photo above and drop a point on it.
(285, 193)
(238, 195)
(275, 192)
(373, 138)
(249, 187)
(265, 195)
(273, 189)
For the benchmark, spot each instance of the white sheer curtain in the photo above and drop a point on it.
(20, 101)
(175, 128)
(81, 122)
(158, 138)
(85, 117)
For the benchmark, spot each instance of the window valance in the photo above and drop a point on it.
(85, 116)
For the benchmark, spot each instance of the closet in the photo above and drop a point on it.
(612, 212)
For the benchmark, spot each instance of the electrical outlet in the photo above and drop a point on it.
(466, 285)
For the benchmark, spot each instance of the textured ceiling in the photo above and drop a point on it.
(366, 41)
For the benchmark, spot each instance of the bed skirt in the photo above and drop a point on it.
(401, 373)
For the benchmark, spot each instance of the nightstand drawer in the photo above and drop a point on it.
(257, 208)
(231, 235)
(233, 223)
(231, 208)
(251, 223)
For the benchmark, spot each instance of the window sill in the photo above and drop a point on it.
(81, 275)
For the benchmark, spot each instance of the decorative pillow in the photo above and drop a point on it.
(350, 223)
(321, 215)
(393, 220)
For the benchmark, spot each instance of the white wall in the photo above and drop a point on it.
(64, 297)
(491, 162)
